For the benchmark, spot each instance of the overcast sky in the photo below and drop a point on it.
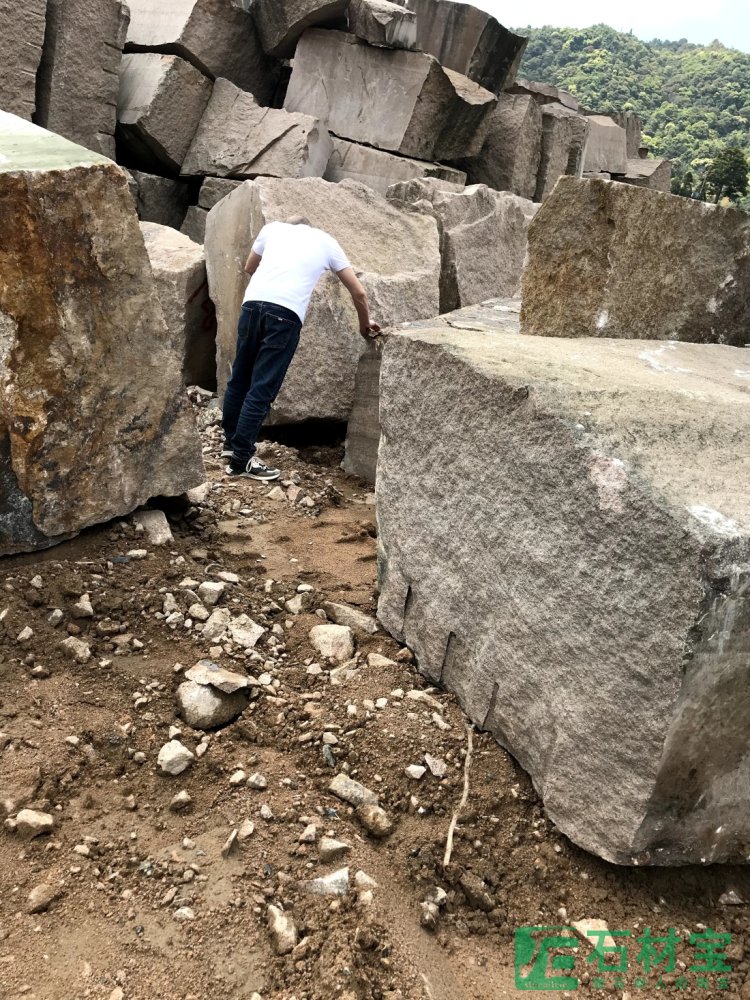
(701, 22)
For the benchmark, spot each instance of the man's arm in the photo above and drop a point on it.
(352, 284)
(252, 263)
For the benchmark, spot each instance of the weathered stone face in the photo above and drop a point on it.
(194, 224)
(653, 174)
(606, 146)
(379, 170)
(160, 199)
(433, 114)
(238, 138)
(94, 419)
(21, 40)
(632, 125)
(77, 84)
(564, 135)
(394, 253)
(281, 22)
(565, 547)
(381, 23)
(613, 260)
(543, 93)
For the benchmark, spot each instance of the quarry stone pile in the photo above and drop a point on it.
(563, 546)
(74, 275)
(394, 253)
(613, 260)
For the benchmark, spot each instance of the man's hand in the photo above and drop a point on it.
(352, 284)
(370, 331)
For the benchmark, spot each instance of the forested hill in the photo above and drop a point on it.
(693, 99)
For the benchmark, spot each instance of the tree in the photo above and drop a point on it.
(726, 176)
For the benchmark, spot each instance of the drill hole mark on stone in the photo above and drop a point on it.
(449, 655)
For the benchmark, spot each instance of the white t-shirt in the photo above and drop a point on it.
(294, 257)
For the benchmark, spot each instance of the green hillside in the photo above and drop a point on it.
(694, 100)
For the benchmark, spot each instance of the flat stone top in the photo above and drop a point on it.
(24, 146)
(674, 415)
(499, 315)
(170, 248)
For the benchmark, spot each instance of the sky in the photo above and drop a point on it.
(700, 22)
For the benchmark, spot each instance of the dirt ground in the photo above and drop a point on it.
(149, 904)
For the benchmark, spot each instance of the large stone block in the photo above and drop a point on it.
(379, 170)
(194, 224)
(564, 541)
(606, 146)
(433, 114)
(385, 24)
(395, 254)
(160, 105)
(213, 189)
(482, 238)
(543, 93)
(612, 260)
(94, 419)
(238, 138)
(78, 77)
(179, 269)
(216, 36)
(509, 158)
(564, 136)
(281, 22)
(654, 174)
(161, 199)
(469, 41)
(632, 125)
(21, 41)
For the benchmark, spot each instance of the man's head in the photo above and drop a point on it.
(297, 220)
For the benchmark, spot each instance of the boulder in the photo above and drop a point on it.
(77, 81)
(653, 174)
(238, 138)
(509, 158)
(383, 24)
(194, 224)
(469, 41)
(606, 146)
(217, 36)
(482, 239)
(613, 260)
(204, 707)
(21, 39)
(433, 114)
(592, 611)
(543, 93)
(74, 275)
(564, 134)
(179, 268)
(378, 169)
(161, 199)
(159, 108)
(395, 254)
(281, 22)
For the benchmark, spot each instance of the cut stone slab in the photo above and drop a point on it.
(74, 274)
(613, 260)
(395, 254)
(161, 199)
(608, 637)
(543, 93)
(194, 224)
(482, 239)
(469, 41)
(204, 707)
(160, 105)
(238, 138)
(77, 82)
(217, 36)
(564, 135)
(379, 169)
(653, 174)
(433, 113)
(281, 22)
(21, 38)
(509, 158)
(383, 24)
(606, 146)
(179, 269)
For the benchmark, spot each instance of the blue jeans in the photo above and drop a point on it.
(267, 337)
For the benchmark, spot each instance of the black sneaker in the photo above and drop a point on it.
(226, 449)
(254, 469)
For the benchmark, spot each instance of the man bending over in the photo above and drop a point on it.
(285, 263)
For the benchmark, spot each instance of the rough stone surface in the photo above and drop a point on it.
(482, 239)
(592, 613)
(208, 673)
(612, 260)
(238, 138)
(345, 614)
(204, 707)
(77, 82)
(216, 36)
(383, 24)
(281, 22)
(32, 823)
(351, 791)
(433, 114)
(564, 134)
(160, 105)
(155, 526)
(395, 254)
(194, 224)
(653, 174)
(21, 39)
(174, 757)
(160, 199)
(606, 146)
(213, 189)
(509, 158)
(379, 169)
(468, 41)
(543, 93)
(632, 125)
(74, 274)
(179, 268)
(282, 930)
(333, 641)
(42, 897)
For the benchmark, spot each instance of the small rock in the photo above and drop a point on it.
(198, 613)
(276, 494)
(180, 802)
(25, 635)
(83, 608)
(245, 632)
(36, 582)
(425, 699)
(217, 624)
(281, 927)
(174, 758)
(199, 494)
(257, 781)
(246, 830)
(228, 577)
(76, 649)
(32, 823)
(184, 914)
(42, 897)
(207, 672)
(156, 526)
(55, 617)
(238, 777)
(343, 614)
(309, 834)
(334, 641)
(430, 916)
(437, 766)
(730, 898)
(352, 791)
(335, 884)
(363, 881)
(204, 707)
(331, 850)
(210, 592)
(137, 554)
(266, 812)
(375, 820)
(476, 892)
(415, 771)
(229, 844)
